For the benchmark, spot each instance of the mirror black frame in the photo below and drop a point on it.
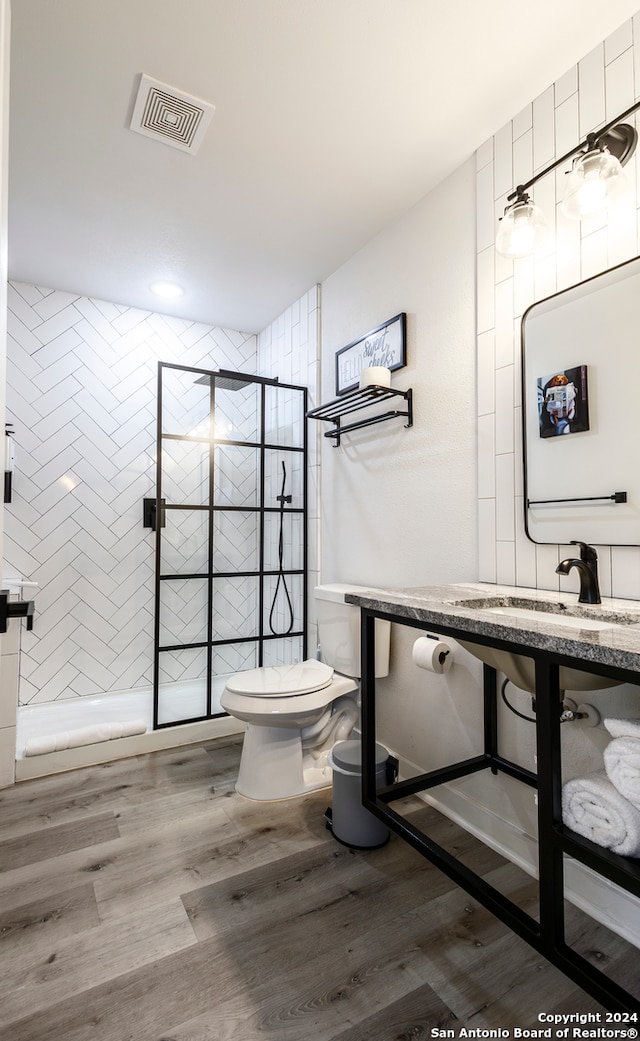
(559, 518)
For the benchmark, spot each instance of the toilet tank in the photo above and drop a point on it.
(339, 631)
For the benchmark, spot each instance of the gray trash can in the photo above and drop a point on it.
(348, 820)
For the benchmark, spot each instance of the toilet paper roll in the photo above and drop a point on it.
(375, 376)
(432, 655)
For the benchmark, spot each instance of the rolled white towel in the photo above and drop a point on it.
(84, 736)
(623, 727)
(40, 745)
(593, 808)
(622, 763)
(92, 735)
(127, 728)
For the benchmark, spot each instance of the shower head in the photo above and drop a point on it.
(226, 380)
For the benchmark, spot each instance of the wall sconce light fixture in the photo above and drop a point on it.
(595, 182)
(522, 229)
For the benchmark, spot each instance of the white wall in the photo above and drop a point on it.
(399, 506)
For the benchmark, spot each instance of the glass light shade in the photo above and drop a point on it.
(522, 229)
(596, 182)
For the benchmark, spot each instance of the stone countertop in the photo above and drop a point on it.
(465, 607)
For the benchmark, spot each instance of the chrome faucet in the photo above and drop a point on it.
(587, 567)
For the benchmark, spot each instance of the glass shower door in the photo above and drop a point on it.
(230, 555)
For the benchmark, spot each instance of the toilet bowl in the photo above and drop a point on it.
(296, 713)
(294, 716)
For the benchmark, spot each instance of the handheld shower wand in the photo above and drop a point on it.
(282, 499)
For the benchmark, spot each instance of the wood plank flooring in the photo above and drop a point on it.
(144, 900)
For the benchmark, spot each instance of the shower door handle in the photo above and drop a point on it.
(14, 609)
(149, 514)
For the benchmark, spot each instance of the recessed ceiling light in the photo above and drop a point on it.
(168, 290)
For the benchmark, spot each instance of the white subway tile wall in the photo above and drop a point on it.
(81, 392)
(82, 396)
(288, 349)
(597, 89)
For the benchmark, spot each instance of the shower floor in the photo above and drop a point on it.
(178, 701)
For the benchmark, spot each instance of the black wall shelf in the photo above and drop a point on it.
(355, 401)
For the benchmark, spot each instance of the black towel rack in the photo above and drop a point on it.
(616, 497)
(354, 401)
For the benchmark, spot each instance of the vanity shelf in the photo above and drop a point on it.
(355, 401)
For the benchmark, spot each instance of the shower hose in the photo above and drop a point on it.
(282, 581)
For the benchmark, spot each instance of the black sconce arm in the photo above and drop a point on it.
(625, 145)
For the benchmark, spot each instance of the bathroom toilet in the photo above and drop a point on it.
(296, 713)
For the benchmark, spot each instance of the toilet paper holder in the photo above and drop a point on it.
(437, 658)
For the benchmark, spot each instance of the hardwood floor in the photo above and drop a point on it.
(144, 900)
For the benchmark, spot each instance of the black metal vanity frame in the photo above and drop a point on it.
(548, 935)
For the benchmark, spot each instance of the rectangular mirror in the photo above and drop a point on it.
(581, 413)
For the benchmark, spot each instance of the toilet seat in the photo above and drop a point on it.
(285, 709)
(277, 681)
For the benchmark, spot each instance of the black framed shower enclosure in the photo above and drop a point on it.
(230, 518)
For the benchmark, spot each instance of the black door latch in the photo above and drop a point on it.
(14, 609)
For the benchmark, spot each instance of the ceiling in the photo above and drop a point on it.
(332, 118)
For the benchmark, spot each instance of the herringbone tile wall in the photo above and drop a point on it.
(81, 393)
(289, 348)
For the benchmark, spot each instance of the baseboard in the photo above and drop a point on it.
(613, 907)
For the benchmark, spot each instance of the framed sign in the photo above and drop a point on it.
(385, 345)
(563, 403)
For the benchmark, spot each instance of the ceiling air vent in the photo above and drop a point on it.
(170, 115)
